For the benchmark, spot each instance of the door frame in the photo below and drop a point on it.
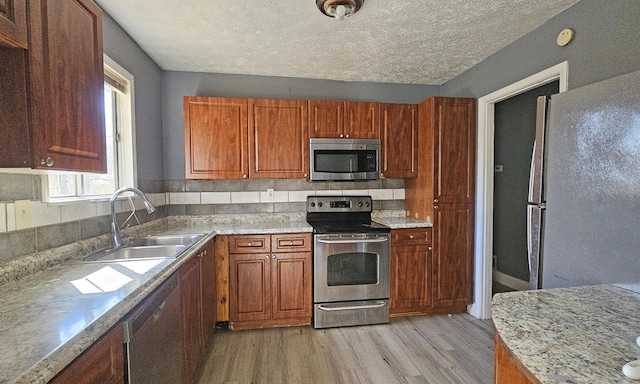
(481, 307)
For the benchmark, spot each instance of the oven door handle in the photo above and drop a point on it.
(353, 241)
(380, 304)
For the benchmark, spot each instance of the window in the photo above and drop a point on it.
(118, 108)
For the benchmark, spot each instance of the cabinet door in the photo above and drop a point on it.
(326, 118)
(102, 363)
(278, 139)
(249, 287)
(454, 150)
(192, 348)
(361, 120)
(505, 369)
(291, 285)
(13, 23)
(399, 139)
(66, 85)
(215, 138)
(208, 290)
(453, 255)
(410, 278)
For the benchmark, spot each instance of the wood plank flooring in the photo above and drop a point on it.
(418, 349)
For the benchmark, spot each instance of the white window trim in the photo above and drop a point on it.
(126, 122)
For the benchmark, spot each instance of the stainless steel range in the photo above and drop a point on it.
(350, 261)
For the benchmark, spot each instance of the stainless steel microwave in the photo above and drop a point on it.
(344, 159)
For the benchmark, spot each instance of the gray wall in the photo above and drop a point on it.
(606, 44)
(176, 85)
(148, 98)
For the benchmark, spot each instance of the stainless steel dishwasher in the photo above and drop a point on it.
(152, 337)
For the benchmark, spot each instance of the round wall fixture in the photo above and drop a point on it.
(565, 37)
(339, 8)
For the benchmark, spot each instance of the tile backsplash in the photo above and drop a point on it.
(28, 225)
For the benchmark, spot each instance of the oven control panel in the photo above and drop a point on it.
(339, 204)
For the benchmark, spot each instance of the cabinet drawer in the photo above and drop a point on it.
(410, 236)
(294, 242)
(250, 244)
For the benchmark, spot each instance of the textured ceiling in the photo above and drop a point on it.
(403, 41)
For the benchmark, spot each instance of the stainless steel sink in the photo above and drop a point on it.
(185, 240)
(137, 253)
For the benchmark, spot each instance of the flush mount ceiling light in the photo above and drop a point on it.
(339, 8)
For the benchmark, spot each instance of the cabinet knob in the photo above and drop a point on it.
(291, 243)
(274, 257)
(411, 237)
(48, 161)
(266, 257)
(305, 175)
(244, 176)
(430, 248)
(347, 136)
(341, 135)
(435, 200)
(435, 207)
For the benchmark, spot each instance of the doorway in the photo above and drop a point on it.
(514, 134)
(483, 251)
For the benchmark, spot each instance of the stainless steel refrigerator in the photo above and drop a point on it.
(584, 190)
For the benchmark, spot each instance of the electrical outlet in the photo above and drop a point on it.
(270, 194)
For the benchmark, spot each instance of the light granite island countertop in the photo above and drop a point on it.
(571, 335)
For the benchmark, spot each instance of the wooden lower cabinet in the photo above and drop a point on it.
(411, 272)
(269, 281)
(505, 369)
(102, 363)
(197, 292)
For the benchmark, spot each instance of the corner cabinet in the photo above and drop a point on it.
(13, 23)
(344, 119)
(61, 75)
(269, 281)
(399, 140)
(215, 138)
(227, 138)
(444, 191)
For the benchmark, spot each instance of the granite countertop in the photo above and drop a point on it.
(582, 334)
(47, 321)
(398, 219)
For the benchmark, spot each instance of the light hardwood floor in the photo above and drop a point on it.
(418, 349)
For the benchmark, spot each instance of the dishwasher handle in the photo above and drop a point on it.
(151, 307)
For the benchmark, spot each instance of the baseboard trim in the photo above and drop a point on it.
(510, 281)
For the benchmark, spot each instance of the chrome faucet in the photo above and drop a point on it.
(116, 236)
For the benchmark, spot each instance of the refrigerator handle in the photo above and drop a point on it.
(537, 157)
(534, 237)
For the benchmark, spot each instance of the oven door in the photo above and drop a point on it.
(351, 267)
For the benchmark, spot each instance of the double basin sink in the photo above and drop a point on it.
(151, 247)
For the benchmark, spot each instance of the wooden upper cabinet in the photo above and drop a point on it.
(399, 140)
(62, 77)
(361, 120)
(326, 118)
(278, 139)
(454, 122)
(66, 79)
(215, 138)
(347, 119)
(13, 23)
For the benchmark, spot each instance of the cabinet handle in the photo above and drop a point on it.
(411, 237)
(48, 161)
